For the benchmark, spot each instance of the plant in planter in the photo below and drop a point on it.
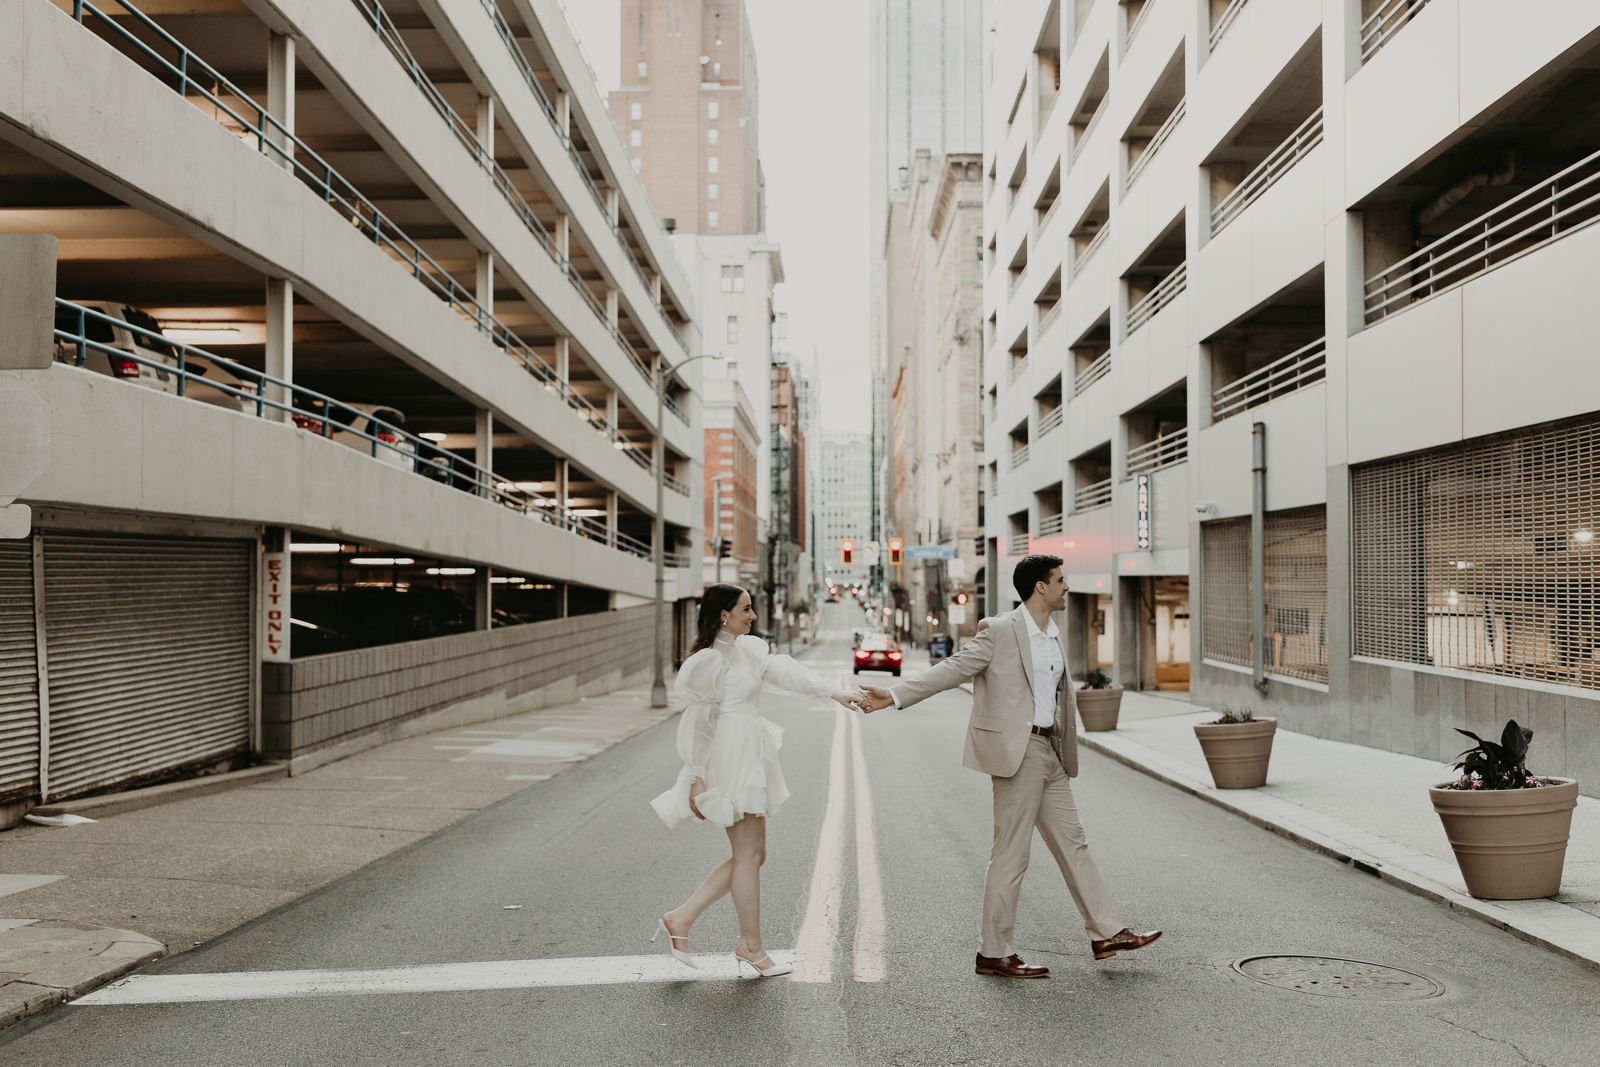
(1237, 746)
(1099, 701)
(1508, 828)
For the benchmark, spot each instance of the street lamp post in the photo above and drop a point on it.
(658, 688)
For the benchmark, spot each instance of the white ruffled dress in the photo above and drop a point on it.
(722, 737)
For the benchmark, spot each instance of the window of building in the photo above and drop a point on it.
(716, 70)
(643, 68)
(711, 164)
(1295, 598)
(637, 138)
(711, 136)
(711, 219)
(636, 111)
(712, 110)
(641, 33)
(711, 191)
(1482, 556)
(733, 329)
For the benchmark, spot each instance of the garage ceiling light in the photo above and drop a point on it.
(309, 547)
(382, 561)
(452, 570)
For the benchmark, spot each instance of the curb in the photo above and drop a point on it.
(133, 799)
(55, 961)
(1546, 923)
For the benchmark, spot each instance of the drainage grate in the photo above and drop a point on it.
(1332, 976)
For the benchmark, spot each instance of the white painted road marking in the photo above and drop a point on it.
(431, 978)
(813, 949)
(872, 921)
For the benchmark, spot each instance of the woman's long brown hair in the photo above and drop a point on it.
(713, 602)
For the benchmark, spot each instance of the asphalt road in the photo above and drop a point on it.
(591, 866)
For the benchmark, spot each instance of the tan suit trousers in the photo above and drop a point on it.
(1039, 795)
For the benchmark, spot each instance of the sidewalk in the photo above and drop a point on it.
(1367, 808)
(134, 886)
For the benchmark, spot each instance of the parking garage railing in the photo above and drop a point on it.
(1081, 258)
(1136, 25)
(1092, 373)
(464, 132)
(1166, 291)
(1300, 368)
(266, 396)
(1162, 134)
(1278, 163)
(273, 140)
(1162, 452)
(1049, 525)
(1557, 206)
(503, 30)
(1019, 544)
(1219, 29)
(1390, 18)
(1050, 419)
(1090, 497)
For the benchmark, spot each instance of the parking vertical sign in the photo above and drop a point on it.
(275, 605)
(1143, 539)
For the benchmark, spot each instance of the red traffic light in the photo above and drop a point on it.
(895, 547)
(847, 551)
(961, 598)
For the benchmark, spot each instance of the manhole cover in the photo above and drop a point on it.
(1331, 976)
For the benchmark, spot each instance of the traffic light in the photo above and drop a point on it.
(961, 598)
(724, 547)
(847, 551)
(895, 547)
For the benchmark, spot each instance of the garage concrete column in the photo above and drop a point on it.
(655, 288)
(611, 518)
(280, 345)
(611, 307)
(613, 207)
(561, 491)
(611, 408)
(483, 288)
(485, 124)
(280, 96)
(563, 359)
(483, 450)
(564, 114)
(563, 238)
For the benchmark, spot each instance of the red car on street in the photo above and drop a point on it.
(878, 654)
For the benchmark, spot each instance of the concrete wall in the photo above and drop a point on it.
(322, 708)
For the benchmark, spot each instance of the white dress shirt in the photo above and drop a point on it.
(1048, 669)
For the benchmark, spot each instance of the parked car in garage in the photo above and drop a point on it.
(161, 376)
(368, 428)
(878, 653)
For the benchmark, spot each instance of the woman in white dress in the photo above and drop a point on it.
(731, 775)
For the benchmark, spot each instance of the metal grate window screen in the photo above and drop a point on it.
(1482, 556)
(1295, 568)
(1225, 595)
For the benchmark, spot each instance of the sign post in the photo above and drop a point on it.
(1143, 536)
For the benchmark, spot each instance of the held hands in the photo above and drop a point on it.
(877, 699)
(851, 698)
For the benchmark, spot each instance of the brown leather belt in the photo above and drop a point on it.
(1044, 731)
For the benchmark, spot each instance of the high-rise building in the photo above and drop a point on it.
(687, 106)
(926, 95)
(688, 110)
(1296, 289)
(933, 496)
(846, 484)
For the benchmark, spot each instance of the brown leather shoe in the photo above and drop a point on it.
(1125, 941)
(1009, 967)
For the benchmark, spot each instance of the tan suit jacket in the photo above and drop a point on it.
(999, 663)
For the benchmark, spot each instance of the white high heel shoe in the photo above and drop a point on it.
(679, 954)
(772, 970)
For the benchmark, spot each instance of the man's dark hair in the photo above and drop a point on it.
(1030, 571)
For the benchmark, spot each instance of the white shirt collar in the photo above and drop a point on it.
(1051, 630)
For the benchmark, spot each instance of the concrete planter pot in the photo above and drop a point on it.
(1099, 707)
(1510, 844)
(1237, 752)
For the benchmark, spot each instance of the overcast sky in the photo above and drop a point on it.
(812, 59)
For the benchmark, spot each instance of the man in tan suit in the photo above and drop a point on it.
(1024, 735)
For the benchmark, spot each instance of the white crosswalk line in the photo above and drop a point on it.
(429, 978)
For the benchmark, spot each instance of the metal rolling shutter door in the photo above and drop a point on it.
(19, 674)
(149, 652)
